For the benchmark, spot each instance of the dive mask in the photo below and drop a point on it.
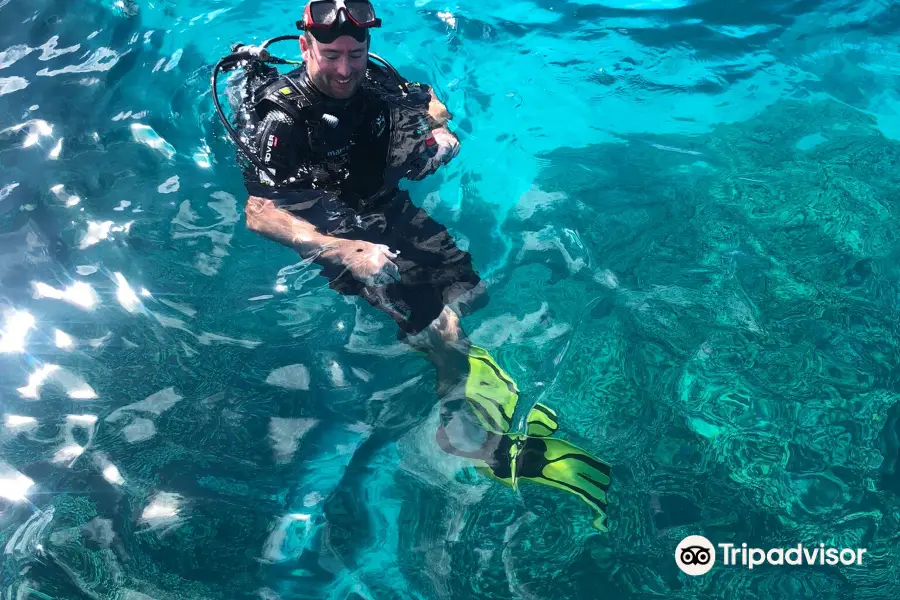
(327, 20)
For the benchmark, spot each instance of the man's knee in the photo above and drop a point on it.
(442, 332)
(447, 326)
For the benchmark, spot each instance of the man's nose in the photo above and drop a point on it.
(343, 67)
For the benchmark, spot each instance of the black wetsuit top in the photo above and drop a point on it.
(338, 146)
(347, 159)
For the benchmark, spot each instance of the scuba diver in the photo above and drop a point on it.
(328, 144)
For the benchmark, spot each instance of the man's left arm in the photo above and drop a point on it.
(445, 144)
(437, 109)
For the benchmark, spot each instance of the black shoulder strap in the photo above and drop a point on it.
(288, 96)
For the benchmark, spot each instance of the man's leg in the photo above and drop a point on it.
(478, 401)
(442, 340)
(497, 452)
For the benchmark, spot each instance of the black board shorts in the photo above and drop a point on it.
(434, 272)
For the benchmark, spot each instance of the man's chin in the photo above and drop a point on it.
(343, 92)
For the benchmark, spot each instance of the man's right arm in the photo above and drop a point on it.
(369, 263)
(267, 219)
(277, 150)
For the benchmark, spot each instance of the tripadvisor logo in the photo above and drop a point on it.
(696, 555)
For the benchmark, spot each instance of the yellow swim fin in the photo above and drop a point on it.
(534, 456)
(491, 393)
(560, 464)
(553, 462)
(541, 421)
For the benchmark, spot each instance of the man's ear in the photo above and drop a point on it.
(304, 48)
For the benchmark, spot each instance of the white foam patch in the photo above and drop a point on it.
(536, 199)
(68, 453)
(57, 149)
(13, 485)
(216, 13)
(49, 49)
(125, 294)
(15, 329)
(292, 377)
(173, 62)
(20, 422)
(139, 430)
(7, 189)
(607, 278)
(207, 339)
(75, 387)
(13, 54)
(336, 373)
(111, 474)
(63, 340)
(8, 85)
(172, 184)
(59, 190)
(98, 231)
(285, 435)
(202, 159)
(163, 509)
(146, 135)
(226, 207)
(155, 404)
(288, 538)
(27, 538)
(79, 294)
(102, 59)
(110, 471)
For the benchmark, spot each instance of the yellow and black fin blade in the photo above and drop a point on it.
(562, 465)
(541, 421)
(491, 393)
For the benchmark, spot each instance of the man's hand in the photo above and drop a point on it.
(369, 263)
(446, 147)
(447, 144)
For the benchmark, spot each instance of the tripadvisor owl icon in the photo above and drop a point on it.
(695, 555)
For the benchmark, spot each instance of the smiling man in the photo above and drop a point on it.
(336, 136)
(339, 142)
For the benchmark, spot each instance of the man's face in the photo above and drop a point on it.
(338, 68)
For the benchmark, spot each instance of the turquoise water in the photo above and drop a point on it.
(686, 213)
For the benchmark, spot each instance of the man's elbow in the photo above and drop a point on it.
(437, 110)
